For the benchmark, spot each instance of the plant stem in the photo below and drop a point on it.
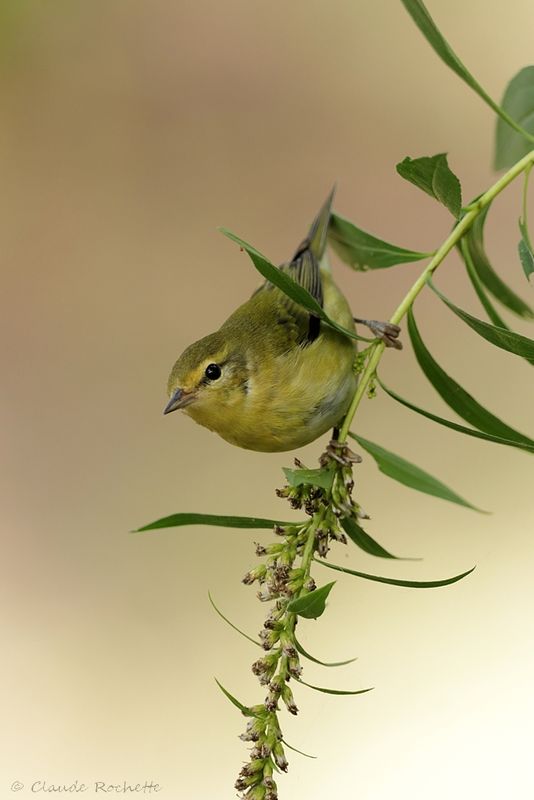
(508, 119)
(454, 237)
(525, 198)
(307, 553)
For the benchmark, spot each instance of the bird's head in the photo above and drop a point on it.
(209, 375)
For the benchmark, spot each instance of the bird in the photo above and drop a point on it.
(274, 377)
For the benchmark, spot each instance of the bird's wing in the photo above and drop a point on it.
(304, 269)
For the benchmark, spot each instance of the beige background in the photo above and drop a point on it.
(129, 131)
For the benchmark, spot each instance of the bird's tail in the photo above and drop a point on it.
(317, 236)
(304, 266)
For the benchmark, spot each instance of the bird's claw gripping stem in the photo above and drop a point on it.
(386, 331)
(340, 452)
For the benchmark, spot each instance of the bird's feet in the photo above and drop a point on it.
(339, 452)
(386, 331)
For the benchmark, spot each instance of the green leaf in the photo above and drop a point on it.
(177, 520)
(314, 477)
(453, 425)
(297, 751)
(479, 287)
(500, 337)
(244, 709)
(362, 539)
(362, 251)
(491, 311)
(456, 397)
(526, 255)
(404, 472)
(433, 176)
(312, 604)
(303, 652)
(395, 581)
(288, 286)
(418, 12)
(231, 624)
(334, 691)
(487, 275)
(518, 102)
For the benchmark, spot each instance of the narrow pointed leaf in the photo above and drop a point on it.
(487, 275)
(456, 397)
(219, 520)
(453, 425)
(231, 624)
(303, 652)
(288, 286)
(488, 306)
(307, 755)
(419, 13)
(244, 709)
(433, 175)
(478, 286)
(518, 102)
(396, 581)
(526, 255)
(312, 604)
(500, 337)
(315, 477)
(362, 539)
(404, 472)
(362, 251)
(334, 691)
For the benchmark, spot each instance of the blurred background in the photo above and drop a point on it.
(129, 131)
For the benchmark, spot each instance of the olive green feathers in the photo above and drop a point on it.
(272, 377)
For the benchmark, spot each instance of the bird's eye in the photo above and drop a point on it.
(212, 372)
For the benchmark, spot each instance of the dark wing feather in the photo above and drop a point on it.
(304, 269)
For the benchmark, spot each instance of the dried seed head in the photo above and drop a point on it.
(277, 684)
(322, 546)
(287, 697)
(256, 574)
(269, 638)
(265, 595)
(280, 757)
(288, 647)
(271, 703)
(264, 668)
(249, 736)
(252, 768)
(265, 750)
(255, 728)
(294, 668)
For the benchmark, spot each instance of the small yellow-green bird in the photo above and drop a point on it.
(274, 377)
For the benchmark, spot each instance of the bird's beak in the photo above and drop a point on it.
(179, 399)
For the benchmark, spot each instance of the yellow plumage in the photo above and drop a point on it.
(272, 378)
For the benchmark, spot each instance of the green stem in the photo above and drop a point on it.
(450, 242)
(525, 198)
(508, 119)
(309, 547)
